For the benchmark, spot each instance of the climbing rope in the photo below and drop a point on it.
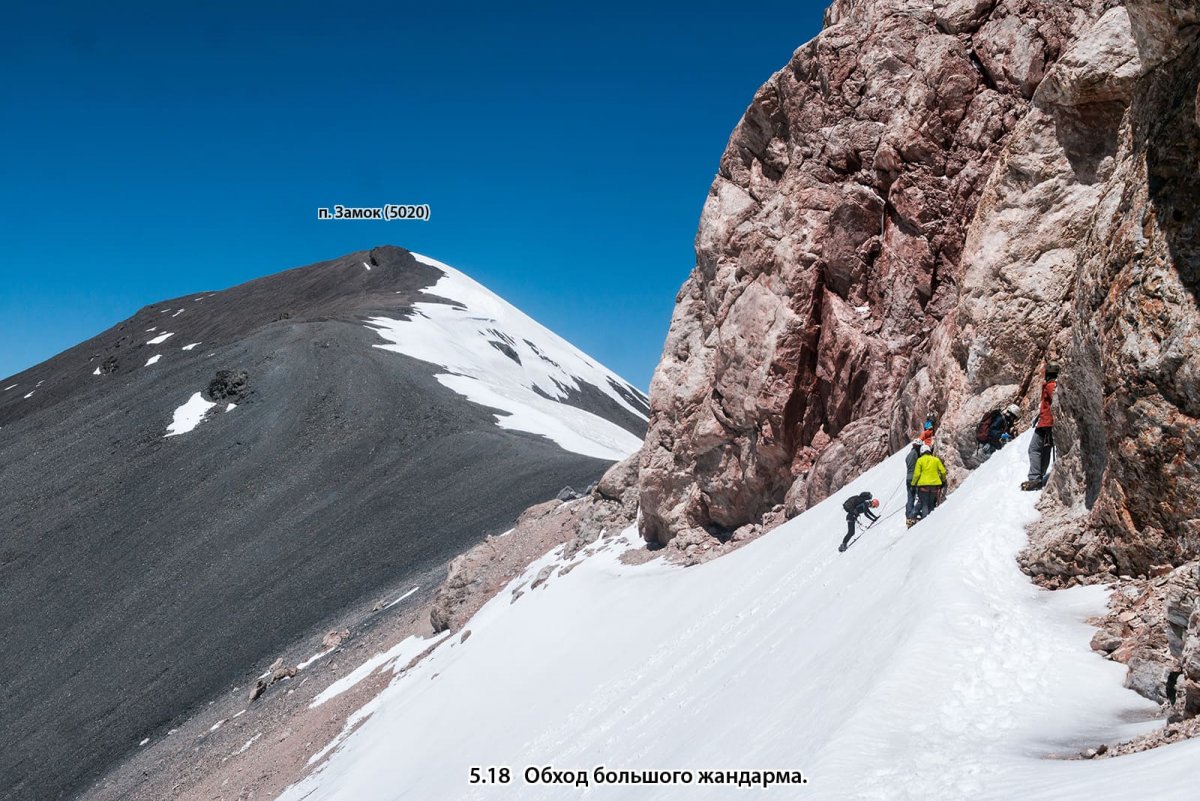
(862, 528)
(884, 505)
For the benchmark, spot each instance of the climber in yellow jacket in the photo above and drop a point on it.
(929, 476)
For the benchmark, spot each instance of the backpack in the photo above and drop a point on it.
(983, 430)
(853, 501)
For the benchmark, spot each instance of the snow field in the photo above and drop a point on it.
(920, 664)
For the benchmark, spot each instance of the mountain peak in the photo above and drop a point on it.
(279, 451)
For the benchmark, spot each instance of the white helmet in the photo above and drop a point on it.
(926, 449)
(1014, 410)
(916, 443)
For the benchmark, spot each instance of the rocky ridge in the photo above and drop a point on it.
(479, 574)
(921, 207)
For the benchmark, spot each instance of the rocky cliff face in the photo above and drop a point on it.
(1131, 349)
(830, 252)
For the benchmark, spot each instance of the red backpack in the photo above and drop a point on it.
(983, 430)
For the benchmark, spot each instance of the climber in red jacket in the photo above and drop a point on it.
(926, 436)
(1041, 445)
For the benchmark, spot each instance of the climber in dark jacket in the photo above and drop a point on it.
(856, 505)
(1003, 429)
(910, 461)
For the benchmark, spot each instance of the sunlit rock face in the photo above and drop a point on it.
(830, 256)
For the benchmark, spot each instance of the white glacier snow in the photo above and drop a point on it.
(920, 664)
(189, 415)
(190, 346)
(161, 338)
(458, 338)
(153, 359)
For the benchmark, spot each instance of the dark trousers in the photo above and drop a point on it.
(928, 499)
(1041, 448)
(910, 508)
(851, 519)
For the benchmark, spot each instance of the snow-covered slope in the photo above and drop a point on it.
(497, 356)
(919, 664)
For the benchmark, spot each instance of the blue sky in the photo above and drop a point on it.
(157, 149)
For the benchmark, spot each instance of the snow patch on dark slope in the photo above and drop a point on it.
(143, 573)
(920, 664)
(495, 355)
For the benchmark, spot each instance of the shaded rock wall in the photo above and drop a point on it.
(1131, 467)
(1022, 257)
(1083, 248)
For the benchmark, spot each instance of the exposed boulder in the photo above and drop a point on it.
(276, 673)
(228, 386)
(567, 494)
(619, 482)
(333, 639)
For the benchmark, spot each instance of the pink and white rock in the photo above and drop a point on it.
(830, 251)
